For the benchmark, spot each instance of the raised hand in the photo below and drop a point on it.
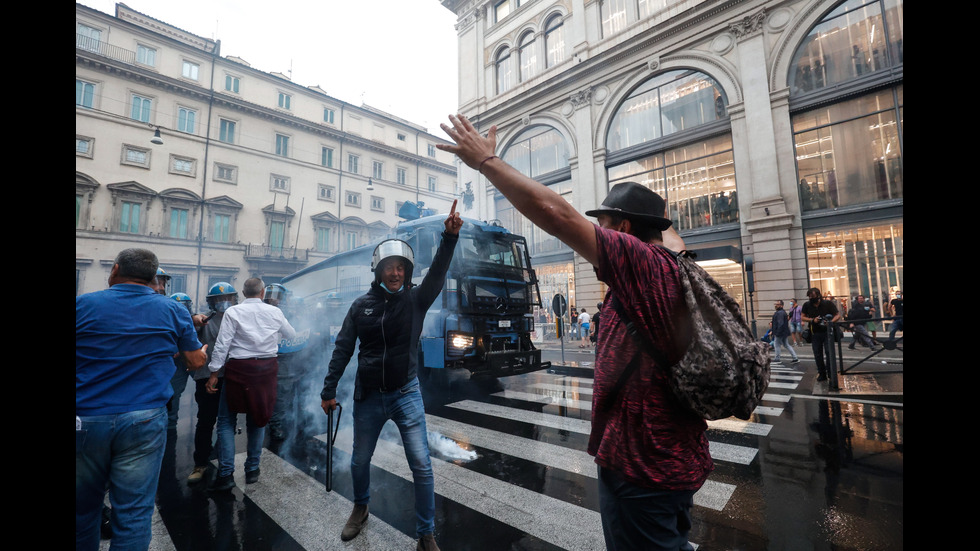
(454, 222)
(471, 147)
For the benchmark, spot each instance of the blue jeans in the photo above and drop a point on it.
(898, 324)
(121, 453)
(635, 517)
(781, 342)
(227, 422)
(403, 406)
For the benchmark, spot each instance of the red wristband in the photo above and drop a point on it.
(480, 168)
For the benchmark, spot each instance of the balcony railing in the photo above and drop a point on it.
(265, 252)
(104, 49)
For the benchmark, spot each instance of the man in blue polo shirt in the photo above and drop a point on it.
(125, 341)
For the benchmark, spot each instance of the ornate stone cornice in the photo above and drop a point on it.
(581, 98)
(748, 25)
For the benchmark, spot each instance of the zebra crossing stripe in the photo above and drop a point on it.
(574, 380)
(567, 390)
(713, 495)
(545, 399)
(780, 384)
(560, 523)
(586, 405)
(312, 516)
(737, 425)
(725, 452)
(776, 397)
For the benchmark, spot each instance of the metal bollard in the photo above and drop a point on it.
(830, 356)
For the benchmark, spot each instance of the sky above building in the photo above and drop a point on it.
(399, 56)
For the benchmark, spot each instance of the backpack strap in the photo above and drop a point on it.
(644, 344)
(641, 340)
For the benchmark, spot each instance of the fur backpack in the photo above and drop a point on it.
(725, 370)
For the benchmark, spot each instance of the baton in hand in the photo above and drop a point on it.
(331, 438)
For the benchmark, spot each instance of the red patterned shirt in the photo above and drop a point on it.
(643, 433)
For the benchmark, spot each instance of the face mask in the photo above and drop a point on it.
(220, 307)
(390, 292)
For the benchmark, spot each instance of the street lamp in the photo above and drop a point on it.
(370, 186)
(156, 139)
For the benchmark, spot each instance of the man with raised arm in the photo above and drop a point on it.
(652, 454)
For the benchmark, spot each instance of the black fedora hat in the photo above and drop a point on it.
(636, 202)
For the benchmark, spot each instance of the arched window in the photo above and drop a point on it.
(554, 40)
(849, 151)
(694, 173)
(536, 151)
(669, 103)
(504, 73)
(528, 57)
(857, 38)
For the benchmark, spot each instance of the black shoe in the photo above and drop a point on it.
(251, 477)
(822, 378)
(795, 360)
(223, 483)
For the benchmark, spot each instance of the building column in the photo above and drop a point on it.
(768, 214)
(589, 178)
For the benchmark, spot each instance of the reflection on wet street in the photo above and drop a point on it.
(512, 473)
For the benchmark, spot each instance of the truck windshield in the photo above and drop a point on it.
(497, 249)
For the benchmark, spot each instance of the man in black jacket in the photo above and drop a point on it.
(818, 311)
(388, 321)
(859, 313)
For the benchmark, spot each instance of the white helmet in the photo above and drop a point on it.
(394, 248)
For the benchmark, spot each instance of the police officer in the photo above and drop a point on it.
(160, 282)
(221, 296)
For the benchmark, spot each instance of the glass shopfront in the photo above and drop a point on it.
(850, 153)
(863, 260)
(847, 103)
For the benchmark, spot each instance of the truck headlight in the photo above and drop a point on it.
(459, 343)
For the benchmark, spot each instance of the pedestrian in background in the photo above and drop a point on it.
(859, 313)
(815, 313)
(781, 332)
(795, 323)
(247, 348)
(646, 485)
(896, 309)
(125, 339)
(583, 323)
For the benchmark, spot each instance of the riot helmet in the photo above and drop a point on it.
(222, 296)
(275, 294)
(160, 282)
(184, 299)
(389, 250)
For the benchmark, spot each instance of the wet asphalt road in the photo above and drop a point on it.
(805, 473)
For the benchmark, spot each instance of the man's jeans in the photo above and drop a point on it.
(779, 343)
(227, 422)
(634, 517)
(121, 453)
(403, 406)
